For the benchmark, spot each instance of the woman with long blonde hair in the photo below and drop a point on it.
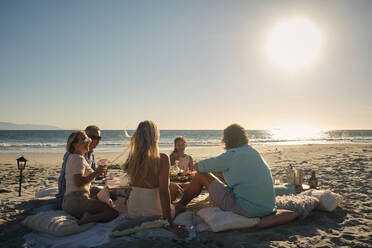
(148, 170)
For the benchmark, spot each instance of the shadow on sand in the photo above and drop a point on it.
(311, 226)
(11, 233)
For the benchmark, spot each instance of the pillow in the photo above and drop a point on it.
(57, 223)
(51, 192)
(301, 204)
(220, 220)
(135, 225)
(281, 216)
(328, 201)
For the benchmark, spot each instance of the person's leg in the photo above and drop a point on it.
(98, 212)
(194, 188)
(219, 175)
(58, 205)
(175, 190)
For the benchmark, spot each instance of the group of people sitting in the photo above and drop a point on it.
(238, 180)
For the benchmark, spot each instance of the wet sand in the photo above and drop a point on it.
(345, 169)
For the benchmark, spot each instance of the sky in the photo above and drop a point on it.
(183, 64)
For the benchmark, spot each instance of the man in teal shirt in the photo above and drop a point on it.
(249, 190)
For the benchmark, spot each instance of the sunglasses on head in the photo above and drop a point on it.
(94, 137)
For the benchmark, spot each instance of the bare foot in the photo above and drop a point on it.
(85, 219)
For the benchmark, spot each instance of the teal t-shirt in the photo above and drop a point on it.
(246, 172)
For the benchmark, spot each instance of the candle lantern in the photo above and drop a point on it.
(21, 164)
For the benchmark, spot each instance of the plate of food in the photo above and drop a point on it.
(181, 177)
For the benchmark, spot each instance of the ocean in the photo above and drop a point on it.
(116, 141)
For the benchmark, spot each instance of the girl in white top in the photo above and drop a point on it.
(185, 162)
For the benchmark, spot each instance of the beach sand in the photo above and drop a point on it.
(345, 169)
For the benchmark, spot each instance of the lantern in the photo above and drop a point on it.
(21, 164)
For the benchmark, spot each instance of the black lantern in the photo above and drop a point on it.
(21, 163)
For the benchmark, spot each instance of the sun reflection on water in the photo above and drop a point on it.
(296, 132)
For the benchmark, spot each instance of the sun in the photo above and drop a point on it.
(293, 44)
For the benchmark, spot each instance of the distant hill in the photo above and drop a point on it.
(14, 126)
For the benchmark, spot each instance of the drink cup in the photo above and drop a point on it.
(103, 163)
(299, 175)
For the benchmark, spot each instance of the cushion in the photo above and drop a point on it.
(281, 216)
(135, 225)
(328, 201)
(301, 204)
(220, 220)
(51, 192)
(57, 223)
(285, 189)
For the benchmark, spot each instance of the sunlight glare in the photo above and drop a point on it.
(293, 44)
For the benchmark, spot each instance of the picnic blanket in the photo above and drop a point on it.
(194, 222)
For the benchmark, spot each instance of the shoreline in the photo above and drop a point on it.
(169, 148)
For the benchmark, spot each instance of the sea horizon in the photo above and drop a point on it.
(51, 141)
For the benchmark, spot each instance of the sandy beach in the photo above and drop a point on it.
(345, 169)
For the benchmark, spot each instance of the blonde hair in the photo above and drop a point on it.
(234, 136)
(144, 156)
(73, 139)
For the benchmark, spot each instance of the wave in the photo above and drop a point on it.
(35, 145)
(193, 142)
